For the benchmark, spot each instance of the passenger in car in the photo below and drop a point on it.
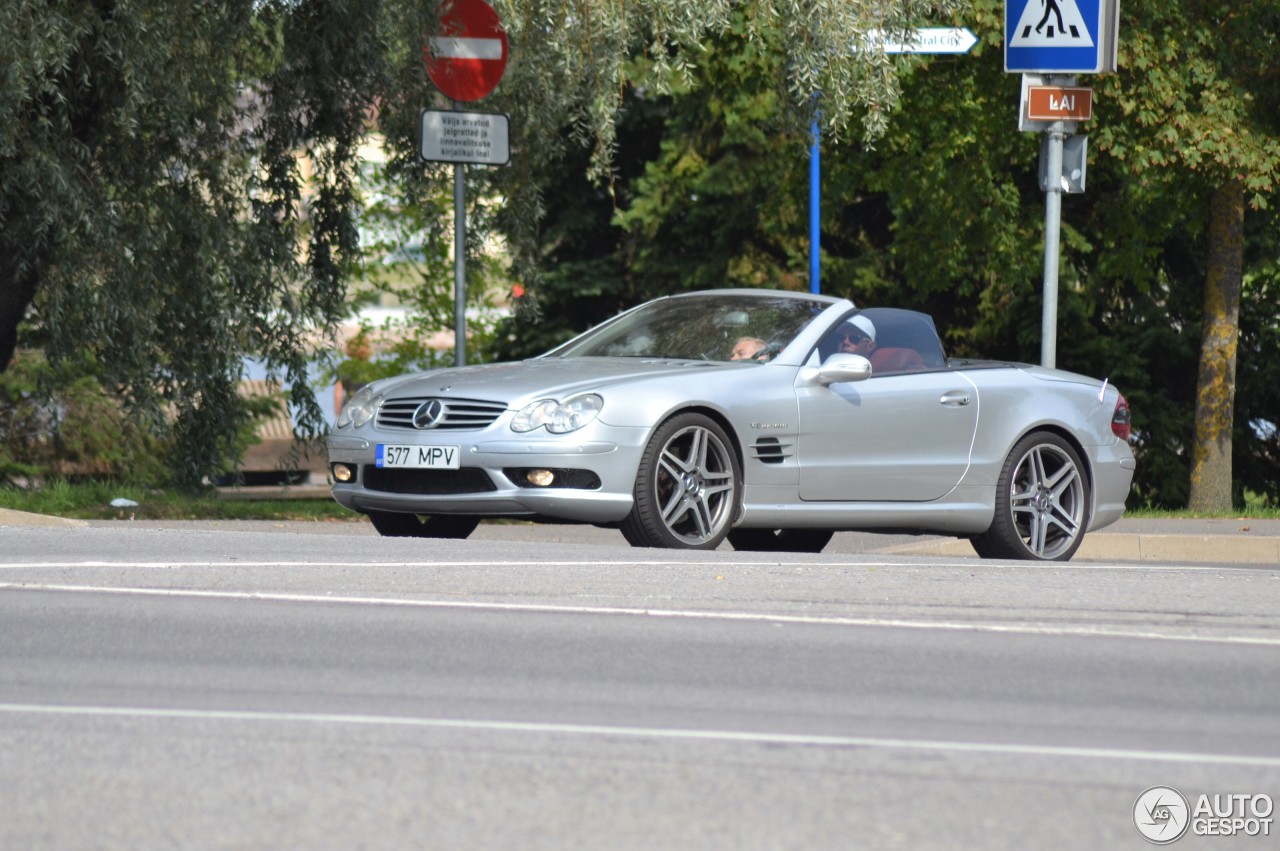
(749, 348)
(858, 337)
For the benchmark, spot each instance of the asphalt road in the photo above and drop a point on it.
(216, 688)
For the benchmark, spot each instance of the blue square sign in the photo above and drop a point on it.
(1060, 36)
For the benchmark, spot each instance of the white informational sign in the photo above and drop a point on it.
(924, 40)
(479, 138)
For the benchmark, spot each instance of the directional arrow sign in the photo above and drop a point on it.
(924, 40)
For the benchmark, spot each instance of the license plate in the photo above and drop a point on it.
(417, 457)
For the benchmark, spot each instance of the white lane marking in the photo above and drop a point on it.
(970, 565)
(1013, 628)
(746, 737)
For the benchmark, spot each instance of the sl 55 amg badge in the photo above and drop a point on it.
(770, 425)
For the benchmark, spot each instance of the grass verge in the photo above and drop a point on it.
(92, 501)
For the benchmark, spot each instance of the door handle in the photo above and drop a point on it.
(955, 398)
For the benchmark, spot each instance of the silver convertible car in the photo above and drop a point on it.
(769, 418)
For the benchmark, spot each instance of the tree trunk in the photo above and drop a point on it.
(16, 292)
(1216, 383)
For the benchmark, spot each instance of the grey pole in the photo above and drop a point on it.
(460, 263)
(1052, 226)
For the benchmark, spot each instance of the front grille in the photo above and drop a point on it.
(457, 414)
(427, 482)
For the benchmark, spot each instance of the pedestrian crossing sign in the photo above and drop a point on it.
(1061, 36)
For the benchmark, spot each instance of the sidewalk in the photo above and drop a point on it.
(1228, 541)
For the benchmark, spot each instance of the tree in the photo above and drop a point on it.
(1197, 94)
(945, 215)
(149, 206)
(153, 161)
(1137, 247)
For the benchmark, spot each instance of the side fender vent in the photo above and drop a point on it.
(771, 450)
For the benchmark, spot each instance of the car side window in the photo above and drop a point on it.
(895, 341)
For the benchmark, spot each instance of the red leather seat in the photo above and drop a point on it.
(892, 359)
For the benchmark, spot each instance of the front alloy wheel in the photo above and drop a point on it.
(687, 488)
(1042, 501)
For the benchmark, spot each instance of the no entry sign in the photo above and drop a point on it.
(467, 54)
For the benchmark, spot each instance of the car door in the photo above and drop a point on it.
(903, 437)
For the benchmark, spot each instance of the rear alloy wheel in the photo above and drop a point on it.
(687, 488)
(780, 540)
(394, 525)
(1042, 501)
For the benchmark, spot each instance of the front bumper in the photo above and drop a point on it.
(595, 481)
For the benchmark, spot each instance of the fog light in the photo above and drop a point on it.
(343, 473)
(540, 478)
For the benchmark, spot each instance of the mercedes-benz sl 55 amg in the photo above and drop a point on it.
(769, 418)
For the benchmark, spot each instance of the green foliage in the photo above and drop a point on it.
(57, 421)
(582, 69)
(1256, 442)
(407, 239)
(582, 276)
(1196, 100)
(967, 234)
(136, 231)
(725, 201)
(166, 213)
(178, 181)
(945, 215)
(1196, 92)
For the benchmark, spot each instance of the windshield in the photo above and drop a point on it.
(712, 327)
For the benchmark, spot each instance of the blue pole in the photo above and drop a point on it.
(815, 199)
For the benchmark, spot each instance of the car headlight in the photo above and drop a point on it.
(359, 409)
(558, 417)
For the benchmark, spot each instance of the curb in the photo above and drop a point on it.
(9, 517)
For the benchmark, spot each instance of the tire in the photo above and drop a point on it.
(687, 489)
(1042, 499)
(394, 525)
(780, 540)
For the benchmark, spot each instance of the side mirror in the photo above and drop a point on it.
(841, 367)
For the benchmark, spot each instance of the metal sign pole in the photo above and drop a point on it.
(1084, 41)
(1052, 226)
(815, 217)
(466, 58)
(460, 263)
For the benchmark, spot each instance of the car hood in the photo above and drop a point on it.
(520, 382)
